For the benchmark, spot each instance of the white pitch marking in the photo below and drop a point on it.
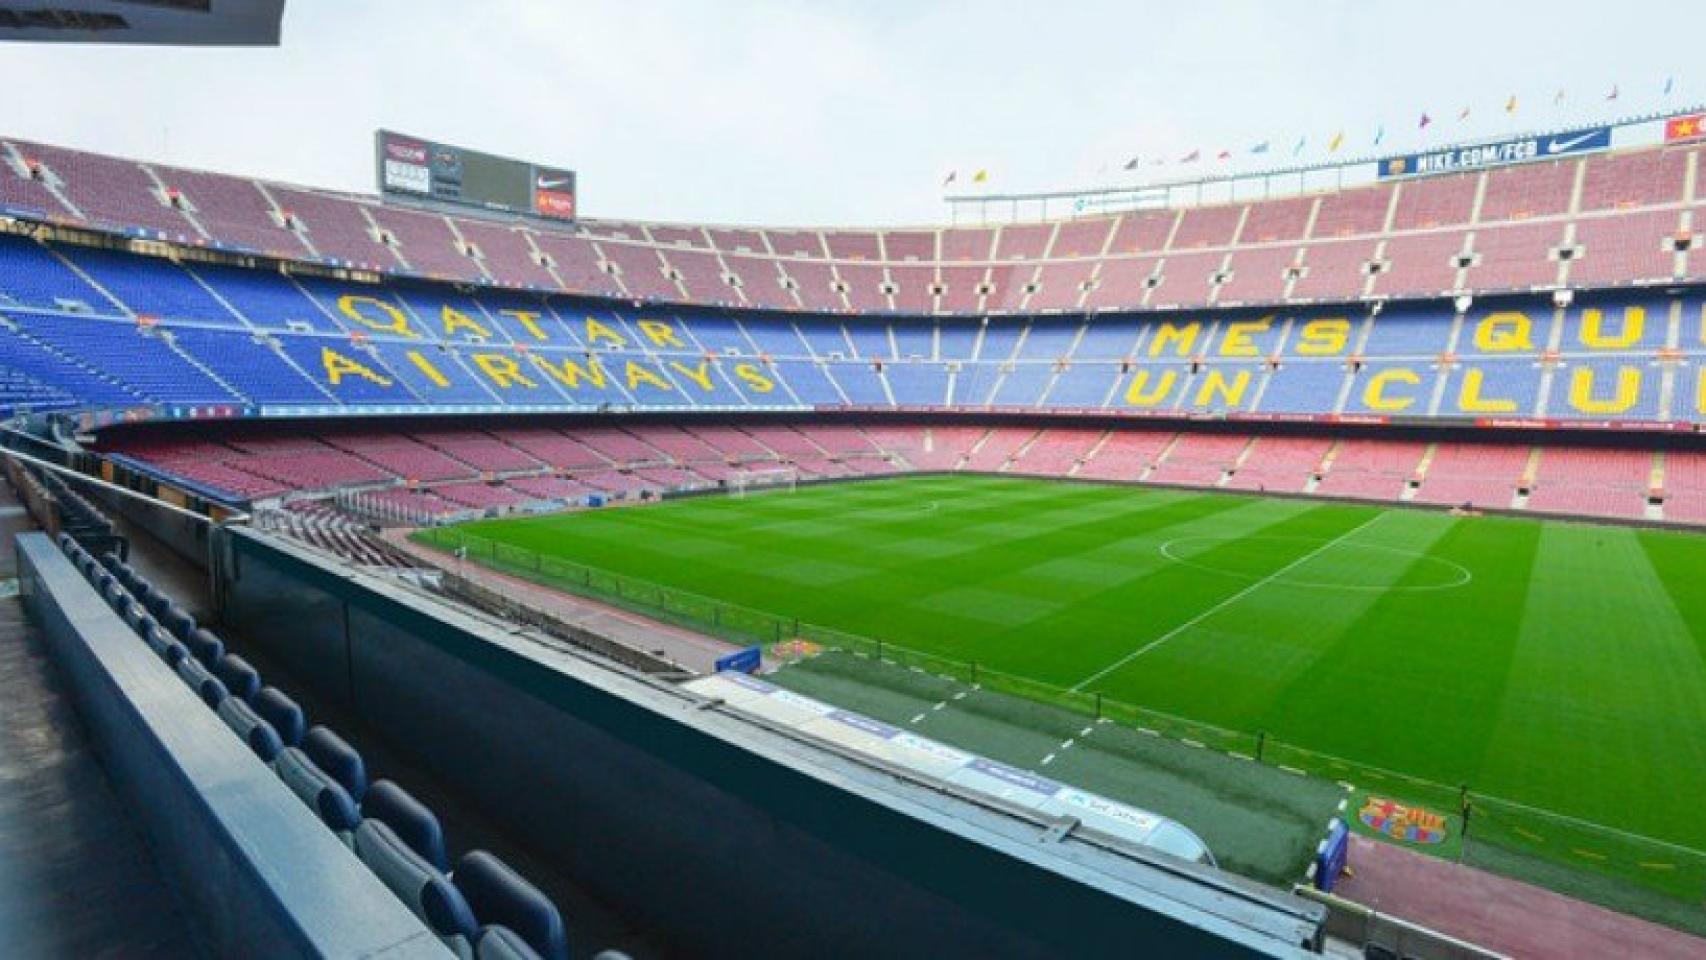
(1229, 601)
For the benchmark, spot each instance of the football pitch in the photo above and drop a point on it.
(1556, 665)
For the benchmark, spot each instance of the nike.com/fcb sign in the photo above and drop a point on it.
(1499, 153)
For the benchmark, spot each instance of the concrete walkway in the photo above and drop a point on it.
(692, 651)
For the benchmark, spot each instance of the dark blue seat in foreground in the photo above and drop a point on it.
(502, 897)
(420, 885)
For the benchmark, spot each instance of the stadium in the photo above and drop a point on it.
(1298, 558)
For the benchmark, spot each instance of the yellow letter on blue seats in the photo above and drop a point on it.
(1628, 391)
(1136, 396)
(1374, 395)
(455, 320)
(339, 366)
(376, 314)
(1593, 328)
(503, 371)
(1508, 331)
(754, 378)
(1469, 399)
(1324, 338)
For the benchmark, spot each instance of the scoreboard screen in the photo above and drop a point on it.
(422, 169)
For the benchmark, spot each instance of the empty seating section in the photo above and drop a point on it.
(1126, 454)
(1592, 481)
(1630, 248)
(1637, 179)
(1258, 276)
(1353, 212)
(154, 287)
(1199, 459)
(1420, 265)
(1333, 271)
(426, 242)
(507, 255)
(137, 357)
(577, 263)
(265, 300)
(335, 228)
(1481, 474)
(1685, 486)
(1075, 238)
(1280, 464)
(1516, 258)
(1186, 279)
(686, 263)
(23, 185)
(481, 451)
(1530, 190)
(641, 271)
(111, 192)
(1278, 220)
(36, 277)
(250, 365)
(395, 455)
(1435, 202)
(1207, 227)
(234, 212)
(400, 839)
(1371, 469)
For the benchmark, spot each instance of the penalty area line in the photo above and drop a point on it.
(1229, 601)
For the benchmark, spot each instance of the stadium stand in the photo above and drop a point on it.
(390, 831)
(1519, 220)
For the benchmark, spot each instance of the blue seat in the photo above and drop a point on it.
(249, 726)
(157, 603)
(159, 640)
(498, 942)
(410, 818)
(242, 680)
(207, 647)
(179, 621)
(205, 684)
(282, 712)
(426, 890)
(323, 795)
(338, 759)
(501, 896)
(175, 652)
(139, 620)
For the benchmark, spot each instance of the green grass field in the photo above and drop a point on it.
(1557, 665)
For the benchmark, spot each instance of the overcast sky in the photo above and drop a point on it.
(848, 111)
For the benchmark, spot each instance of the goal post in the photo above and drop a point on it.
(743, 482)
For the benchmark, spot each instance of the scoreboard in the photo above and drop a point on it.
(422, 169)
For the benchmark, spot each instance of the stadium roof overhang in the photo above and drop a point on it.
(251, 23)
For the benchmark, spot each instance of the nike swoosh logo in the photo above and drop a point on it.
(545, 184)
(1559, 146)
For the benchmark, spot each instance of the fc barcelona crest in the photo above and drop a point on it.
(1401, 823)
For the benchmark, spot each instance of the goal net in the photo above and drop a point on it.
(742, 482)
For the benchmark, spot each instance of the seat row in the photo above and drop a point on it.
(479, 907)
(81, 519)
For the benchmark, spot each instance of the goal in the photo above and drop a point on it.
(742, 482)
